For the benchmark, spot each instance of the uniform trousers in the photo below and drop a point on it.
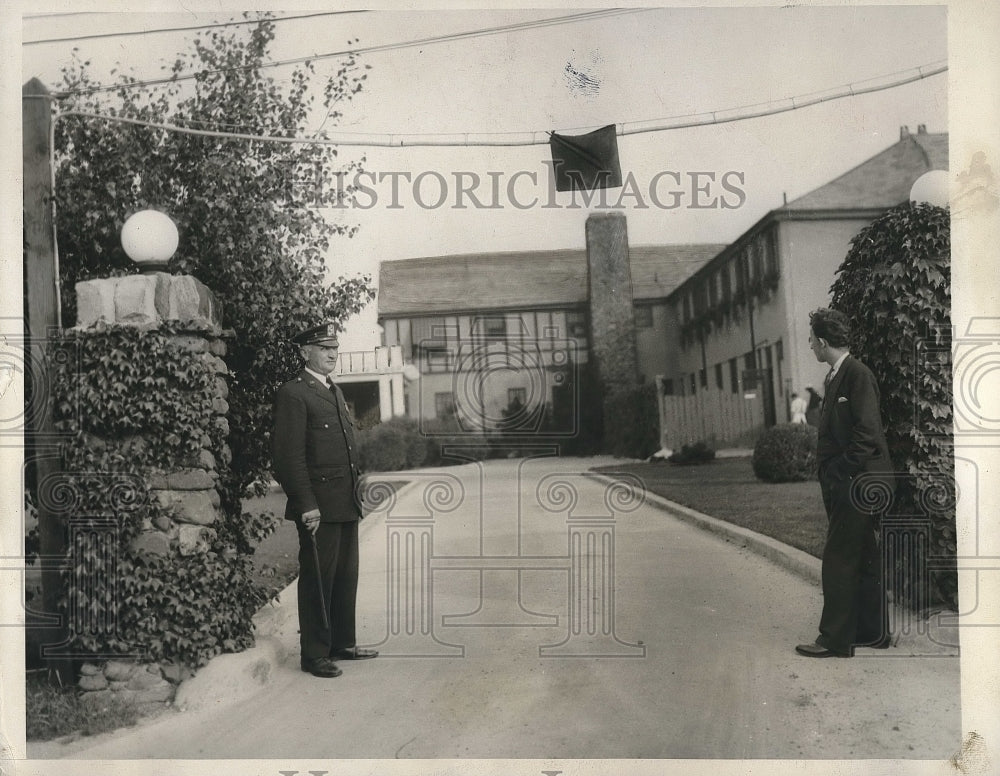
(337, 548)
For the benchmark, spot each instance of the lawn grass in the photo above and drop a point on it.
(726, 488)
(53, 712)
(276, 559)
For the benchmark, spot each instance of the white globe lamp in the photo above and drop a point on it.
(150, 238)
(932, 188)
(410, 373)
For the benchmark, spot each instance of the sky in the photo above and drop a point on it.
(637, 66)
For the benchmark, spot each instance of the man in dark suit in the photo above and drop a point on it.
(314, 456)
(853, 458)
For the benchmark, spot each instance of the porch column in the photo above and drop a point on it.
(398, 408)
(384, 398)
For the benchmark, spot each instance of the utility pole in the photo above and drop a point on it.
(41, 451)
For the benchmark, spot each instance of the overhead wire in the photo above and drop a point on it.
(466, 35)
(127, 33)
(541, 137)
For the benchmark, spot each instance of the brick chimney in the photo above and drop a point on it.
(904, 132)
(613, 345)
(921, 129)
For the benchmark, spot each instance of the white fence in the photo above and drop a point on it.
(721, 418)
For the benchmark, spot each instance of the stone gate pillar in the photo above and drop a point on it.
(189, 491)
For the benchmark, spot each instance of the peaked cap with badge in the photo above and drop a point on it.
(323, 334)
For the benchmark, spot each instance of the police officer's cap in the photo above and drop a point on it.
(325, 334)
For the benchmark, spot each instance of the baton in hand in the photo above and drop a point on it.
(319, 579)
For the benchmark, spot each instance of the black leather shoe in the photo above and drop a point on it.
(354, 653)
(815, 650)
(321, 666)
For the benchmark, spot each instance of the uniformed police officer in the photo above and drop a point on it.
(315, 461)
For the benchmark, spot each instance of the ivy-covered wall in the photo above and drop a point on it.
(895, 284)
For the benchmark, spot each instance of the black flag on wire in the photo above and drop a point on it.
(586, 162)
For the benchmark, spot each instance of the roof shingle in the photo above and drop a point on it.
(883, 181)
(524, 279)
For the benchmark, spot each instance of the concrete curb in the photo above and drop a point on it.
(779, 553)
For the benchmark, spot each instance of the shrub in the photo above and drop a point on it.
(786, 453)
(443, 433)
(693, 455)
(632, 429)
(393, 445)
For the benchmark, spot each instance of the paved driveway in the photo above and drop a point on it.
(525, 610)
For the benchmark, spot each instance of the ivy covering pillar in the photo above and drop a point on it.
(142, 398)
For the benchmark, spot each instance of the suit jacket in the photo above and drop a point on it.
(313, 451)
(851, 440)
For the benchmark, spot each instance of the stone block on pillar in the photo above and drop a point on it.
(95, 301)
(190, 300)
(141, 298)
(190, 506)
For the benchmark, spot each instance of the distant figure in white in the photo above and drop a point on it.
(799, 405)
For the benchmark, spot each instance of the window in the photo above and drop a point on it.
(643, 316)
(668, 387)
(495, 326)
(576, 325)
(699, 298)
(713, 289)
(757, 251)
(693, 388)
(727, 285)
(734, 375)
(749, 362)
(703, 378)
(437, 358)
(718, 376)
(444, 404)
(771, 252)
(779, 356)
(390, 333)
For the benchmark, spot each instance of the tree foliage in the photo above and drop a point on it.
(895, 283)
(249, 212)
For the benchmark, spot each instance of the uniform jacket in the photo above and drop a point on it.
(851, 440)
(313, 451)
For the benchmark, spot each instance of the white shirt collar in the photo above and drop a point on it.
(837, 364)
(317, 375)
